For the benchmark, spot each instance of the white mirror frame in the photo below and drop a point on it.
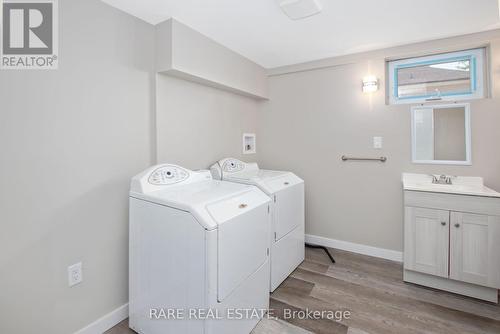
(468, 137)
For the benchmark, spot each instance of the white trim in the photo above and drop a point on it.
(383, 253)
(468, 135)
(106, 322)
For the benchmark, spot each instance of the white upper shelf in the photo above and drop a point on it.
(185, 53)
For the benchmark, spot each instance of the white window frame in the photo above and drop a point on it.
(478, 89)
(468, 136)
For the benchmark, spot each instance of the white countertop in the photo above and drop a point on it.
(461, 185)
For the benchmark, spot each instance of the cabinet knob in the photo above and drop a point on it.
(443, 223)
(457, 225)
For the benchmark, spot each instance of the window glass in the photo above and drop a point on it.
(452, 76)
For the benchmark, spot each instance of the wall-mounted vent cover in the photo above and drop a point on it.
(299, 9)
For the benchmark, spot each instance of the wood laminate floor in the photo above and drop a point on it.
(378, 300)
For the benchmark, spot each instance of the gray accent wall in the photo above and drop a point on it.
(70, 140)
(317, 112)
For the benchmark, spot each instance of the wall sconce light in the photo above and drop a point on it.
(370, 84)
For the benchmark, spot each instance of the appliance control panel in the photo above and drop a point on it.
(168, 174)
(161, 176)
(233, 165)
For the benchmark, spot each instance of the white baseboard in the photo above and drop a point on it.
(356, 248)
(106, 322)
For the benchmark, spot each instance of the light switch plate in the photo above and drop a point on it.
(377, 142)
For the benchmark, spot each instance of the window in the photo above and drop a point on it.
(448, 77)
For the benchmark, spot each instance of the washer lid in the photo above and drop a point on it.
(270, 181)
(193, 191)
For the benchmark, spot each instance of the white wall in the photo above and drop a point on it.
(317, 112)
(198, 125)
(70, 140)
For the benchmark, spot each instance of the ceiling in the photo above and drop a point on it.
(258, 29)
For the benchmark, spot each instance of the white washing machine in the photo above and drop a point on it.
(199, 249)
(287, 229)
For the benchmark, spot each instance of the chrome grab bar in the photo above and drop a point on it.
(381, 159)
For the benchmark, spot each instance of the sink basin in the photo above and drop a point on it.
(462, 185)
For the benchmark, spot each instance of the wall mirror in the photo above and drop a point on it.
(441, 134)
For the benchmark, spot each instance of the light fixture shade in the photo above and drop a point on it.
(299, 9)
(370, 84)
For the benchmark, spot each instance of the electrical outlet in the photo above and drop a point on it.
(75, 274)
(377, 142)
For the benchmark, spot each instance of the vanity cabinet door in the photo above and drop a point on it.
(426, 241)
(475, 249)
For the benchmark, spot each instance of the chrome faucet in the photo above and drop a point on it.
(441, 179)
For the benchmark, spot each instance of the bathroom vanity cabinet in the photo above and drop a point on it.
(452, 236)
